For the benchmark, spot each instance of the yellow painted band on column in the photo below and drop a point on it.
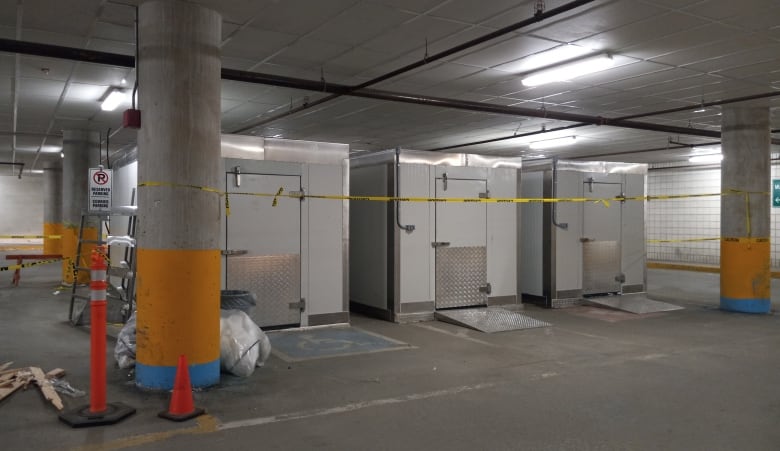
(52, 246)
(744, 268)
(178, 306)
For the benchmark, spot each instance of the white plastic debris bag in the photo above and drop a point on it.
(124, 351)
(242, 344)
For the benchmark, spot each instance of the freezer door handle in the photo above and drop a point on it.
(586, 240)
(487, 288)
(440, 243)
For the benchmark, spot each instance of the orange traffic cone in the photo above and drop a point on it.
(182, 407)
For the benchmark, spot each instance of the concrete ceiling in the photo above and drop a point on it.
(667, 53)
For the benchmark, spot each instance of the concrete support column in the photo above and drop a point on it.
(52, 208)
(82, 150)
(178, 283)
(745, 178)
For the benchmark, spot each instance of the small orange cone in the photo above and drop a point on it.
(182, 407)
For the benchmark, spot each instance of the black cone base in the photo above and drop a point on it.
(81, 417)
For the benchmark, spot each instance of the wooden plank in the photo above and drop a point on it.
(12, 370)
(5, 365)
(46, 388)
(5, 392)
(56, 373)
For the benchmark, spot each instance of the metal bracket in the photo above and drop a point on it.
(299, 194)
(237, 171)
(586, 240)
(301, 305)
(444, 180)
(228, 252)
(440, 243)
(485, 195)
(487, 288)
(620, 278)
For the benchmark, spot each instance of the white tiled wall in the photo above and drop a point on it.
(692, 217)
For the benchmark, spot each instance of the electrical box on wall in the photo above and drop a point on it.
(131, 118)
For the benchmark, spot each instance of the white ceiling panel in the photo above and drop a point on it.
(638, 32)
(468, 11)
(254, 44)
(415, 6)
(48, 68)
(495, 54)
(592, 20)
(412, 35)
(361, 23)
(296, 16)
(39, 87)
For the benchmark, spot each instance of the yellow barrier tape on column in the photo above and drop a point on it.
(53, 237)
(28, 265)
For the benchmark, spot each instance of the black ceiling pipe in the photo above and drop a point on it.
(651, 113)
(21, 166)
(68, 53)
(538, 17)
(297, 83)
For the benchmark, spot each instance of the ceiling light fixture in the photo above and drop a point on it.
(112, 99)
(555, 142)
(711, 158)
(569, 71)
(701, 109)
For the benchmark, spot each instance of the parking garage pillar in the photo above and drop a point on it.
(52, 208)
(178, 284)
(81, 149)
(745, 180)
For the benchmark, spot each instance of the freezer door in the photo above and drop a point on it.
(601, 235)
(460, 244)
(264, 236)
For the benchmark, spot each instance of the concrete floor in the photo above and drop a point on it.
(696, 379)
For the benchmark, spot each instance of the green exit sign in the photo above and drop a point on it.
(776, 193)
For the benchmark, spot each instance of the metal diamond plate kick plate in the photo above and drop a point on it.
(460, 272)
(601, 264)
(490, 320)
(275, 280)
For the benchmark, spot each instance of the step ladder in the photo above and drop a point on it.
(121, 295)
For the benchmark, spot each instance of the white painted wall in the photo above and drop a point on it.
(21, 206)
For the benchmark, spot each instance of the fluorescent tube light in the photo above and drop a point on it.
(112, 100)
(555, 142)
(569, 71)
(711, 158)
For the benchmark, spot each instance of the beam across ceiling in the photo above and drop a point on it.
(91, 56)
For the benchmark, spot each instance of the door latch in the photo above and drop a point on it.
(440, 244)
(586, 240)
(229, 252)
(487, 289)
(620, 278)
(237, 171)
(444, 180)
(301, 305)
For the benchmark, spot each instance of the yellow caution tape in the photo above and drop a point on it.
(54, 237)
(490, 200)
(28, 265)
(685, 240)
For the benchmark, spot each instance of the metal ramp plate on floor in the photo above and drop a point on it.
(489, 319)
(637, 303)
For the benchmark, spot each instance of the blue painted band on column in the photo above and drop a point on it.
(745, 305)
(162, 377)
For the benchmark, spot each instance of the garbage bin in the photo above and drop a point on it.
(237, 300)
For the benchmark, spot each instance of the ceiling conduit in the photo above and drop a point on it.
(91, 56)
(538, 17)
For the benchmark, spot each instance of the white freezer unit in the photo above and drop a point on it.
(291, 253)
(572, 250)
(409, 259)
